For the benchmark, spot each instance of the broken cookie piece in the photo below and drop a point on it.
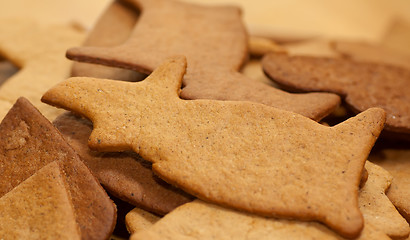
(29, 142)
(39, 207)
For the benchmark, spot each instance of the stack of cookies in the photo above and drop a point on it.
(206, 131)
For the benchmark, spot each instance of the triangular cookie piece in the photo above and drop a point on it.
(40, 207)
(248, 142)
(168, 28)
(125, 175)
(29, 142)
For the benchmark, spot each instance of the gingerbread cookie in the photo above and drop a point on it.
(39, 207)
(38, 51)
(165, 29)
(186, 140)
(125, 175)
(112, 28)
(29, 142)
(397, 161)
(377, 209)
(363, 85)
(201, 220)
(138, 220)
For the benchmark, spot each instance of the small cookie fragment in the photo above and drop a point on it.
(248, 142)
(259, 46)
(397, 162)
(39, 207)
(363, 85)
(165, 29)
(138, 220)
(376, 207)
(125, 175)
(29, 142)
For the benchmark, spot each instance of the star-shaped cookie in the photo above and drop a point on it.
(243, 155)
(214, 41)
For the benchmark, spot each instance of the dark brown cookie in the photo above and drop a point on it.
(125, 175)
(112, 28)
(167, 28)
(29, 142)
(363, 85)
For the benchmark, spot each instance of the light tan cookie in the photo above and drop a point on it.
(361, 51)
(39, 208)
(362, 84)
(201, 220)
(397, 162)
(248, 142)
(138, 220)
(125, 175)
(259, 46)
(165, 29)
(39, 53)
(376, 207)
(253, 69)
(112, 28)
(28, 142)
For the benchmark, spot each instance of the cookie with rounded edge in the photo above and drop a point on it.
(215, 43)
(249, 143)
(362, 84)
(138, 219)
(39, 207)
(38, 51)
(29, 142)
(125, 175)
